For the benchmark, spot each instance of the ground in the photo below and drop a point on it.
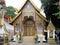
(29, 41)
(15, 43)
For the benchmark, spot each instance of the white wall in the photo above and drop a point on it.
(39, 28)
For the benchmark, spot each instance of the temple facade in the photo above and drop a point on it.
(29, 20)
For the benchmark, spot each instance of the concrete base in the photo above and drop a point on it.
(51, 41)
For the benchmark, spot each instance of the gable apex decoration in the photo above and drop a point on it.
(31, 3)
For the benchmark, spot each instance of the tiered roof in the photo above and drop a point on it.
(36, 8)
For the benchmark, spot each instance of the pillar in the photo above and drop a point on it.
(54, 34)
(35, 22)
(48, 33)
(14, 28)
(43, 26)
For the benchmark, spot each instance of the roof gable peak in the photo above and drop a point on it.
(25, 2)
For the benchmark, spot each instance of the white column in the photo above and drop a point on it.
(48, 33)
(54, 34)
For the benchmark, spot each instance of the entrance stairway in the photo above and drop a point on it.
(28, 39)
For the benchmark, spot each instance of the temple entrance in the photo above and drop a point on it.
(29, 29)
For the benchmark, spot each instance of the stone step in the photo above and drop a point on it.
(28, 39)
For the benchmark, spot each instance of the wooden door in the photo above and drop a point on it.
(29, 28)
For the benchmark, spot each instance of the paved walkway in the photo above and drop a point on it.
(15, 43)
(30, 41)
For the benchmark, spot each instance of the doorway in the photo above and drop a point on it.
(29, 28)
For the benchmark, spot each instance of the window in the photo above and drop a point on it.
(17, 27)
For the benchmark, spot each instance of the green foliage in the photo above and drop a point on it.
(36, 38)
(45, 3)
(19, 36)
(52, 10)
(46, 6)
(10, 11)
(51, 7)
(58, 7)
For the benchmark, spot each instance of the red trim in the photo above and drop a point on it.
(6, 16)
(35, 21)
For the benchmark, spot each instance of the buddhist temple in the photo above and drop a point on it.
(29, 20)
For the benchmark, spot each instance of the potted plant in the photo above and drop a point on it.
(19, 37)
(36, 39)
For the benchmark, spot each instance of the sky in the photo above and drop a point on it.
(17, 4)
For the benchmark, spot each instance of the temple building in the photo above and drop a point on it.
(29, 20)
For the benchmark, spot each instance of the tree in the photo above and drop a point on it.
(52, 11)
(11, 11)
(46, 6)
(58, 7)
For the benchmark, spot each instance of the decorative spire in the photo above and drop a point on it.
(50, 26)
